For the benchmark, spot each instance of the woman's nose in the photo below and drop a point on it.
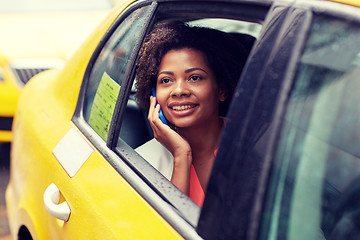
(180, 89)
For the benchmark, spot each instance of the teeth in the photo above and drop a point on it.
(182, 108)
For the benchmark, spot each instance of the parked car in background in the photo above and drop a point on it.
(288, 162)
(37, 35)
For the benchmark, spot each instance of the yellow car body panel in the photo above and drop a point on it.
(94, 215)
(348, 2)
(9, 94)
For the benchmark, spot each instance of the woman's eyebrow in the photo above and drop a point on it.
(166, 72)
(194, 69)
(186, 71)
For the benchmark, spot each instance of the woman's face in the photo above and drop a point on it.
(186, 88)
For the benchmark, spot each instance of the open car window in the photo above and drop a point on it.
(135, 130)
(110, 108)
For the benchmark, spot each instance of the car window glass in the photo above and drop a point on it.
(314, 185)
(135, 129)
(108, 72)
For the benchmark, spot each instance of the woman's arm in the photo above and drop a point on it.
(177, 145)
(181, 172)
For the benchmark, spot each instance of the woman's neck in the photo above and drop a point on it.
(204, 138)
(203, 141)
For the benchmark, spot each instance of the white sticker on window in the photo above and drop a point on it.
(72, 151)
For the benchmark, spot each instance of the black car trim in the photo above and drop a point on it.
(6, 123)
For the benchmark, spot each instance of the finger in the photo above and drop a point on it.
(156, 118)
(151, 108)
(154, 110)
(153, 116)
(156, 124)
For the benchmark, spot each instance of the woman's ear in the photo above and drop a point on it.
(222, 95)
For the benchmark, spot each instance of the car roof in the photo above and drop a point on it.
(355, 3)
(332, 4)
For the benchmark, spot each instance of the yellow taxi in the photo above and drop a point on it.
(288, 164)
(36, 36)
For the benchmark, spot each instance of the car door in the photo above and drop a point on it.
(289, 168)
(315, 176)
(118, 131)
(228, 208)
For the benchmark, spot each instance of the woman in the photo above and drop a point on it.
(194, 71)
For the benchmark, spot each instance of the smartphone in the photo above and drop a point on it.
(161, 115)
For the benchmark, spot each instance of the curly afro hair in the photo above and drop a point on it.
(224, 54)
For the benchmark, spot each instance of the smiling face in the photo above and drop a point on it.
(186, 89)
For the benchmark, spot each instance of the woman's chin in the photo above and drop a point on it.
(181, 124)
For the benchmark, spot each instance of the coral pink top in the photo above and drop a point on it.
(196, 193)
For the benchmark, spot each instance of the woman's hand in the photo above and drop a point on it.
(177, 145)
(163, 133)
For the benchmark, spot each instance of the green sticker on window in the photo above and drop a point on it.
(103, 107)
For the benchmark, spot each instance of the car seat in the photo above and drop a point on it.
(135, 128)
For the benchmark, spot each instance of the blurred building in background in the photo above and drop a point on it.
(36, 35)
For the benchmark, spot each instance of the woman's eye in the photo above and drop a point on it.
(195, 78)
(165, 80)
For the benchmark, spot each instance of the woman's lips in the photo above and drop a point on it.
(182, 107)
